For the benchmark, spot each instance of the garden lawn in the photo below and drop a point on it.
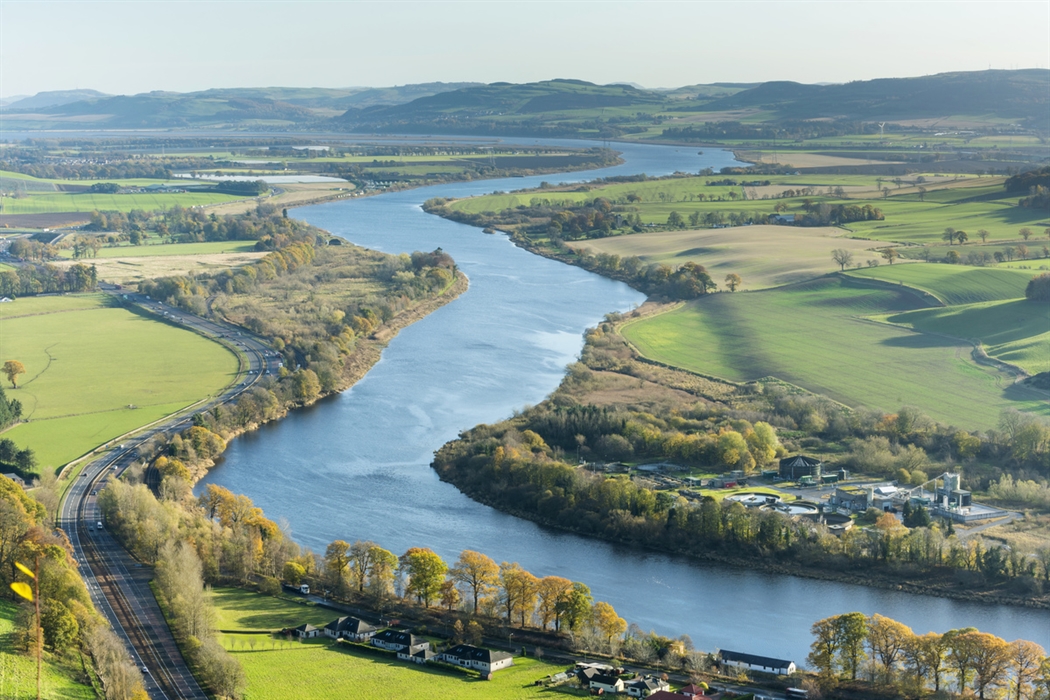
(238, 609)
(322, 671)
(1015, 331)
(814, 335)
(88, 363)
(59, 680)
(955, 284)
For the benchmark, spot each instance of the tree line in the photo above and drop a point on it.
(888, 653)
(68, 621)
(30, 279)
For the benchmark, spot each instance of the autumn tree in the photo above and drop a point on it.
(843, 257)
(851, 630)
(574, 607)
(1025, 660)
(890, 254)
(733, 281)
(517, 590)
(13, 368)
(1026, 233)
(475, 572)
(991, 661)
(449, 594)
(425, 571)
(887, 640)
(336, 559)
(549, 591)
(983, 234)
(607, 622)
(824, 649)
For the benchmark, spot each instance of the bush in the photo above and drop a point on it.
(1038, 288)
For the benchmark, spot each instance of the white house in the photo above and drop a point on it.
(753, 662)
(644, 687)
(594, 679)
(306, 631)
(349, 628)
(394, 640)
(421, 656)
(485, 660)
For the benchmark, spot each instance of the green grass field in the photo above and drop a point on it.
(319, 669)
(18, 671)
(814, 335)
(954, 284)
(163, 249)
(60, 202)
(1015, 331)
(87, 363)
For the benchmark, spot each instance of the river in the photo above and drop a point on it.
(357, 465)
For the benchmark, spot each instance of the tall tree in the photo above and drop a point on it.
(13, 368)
(825, 647)
(887, 640)
(477, 573)
(336, 558)
(843, 257)
(426, 571)
(991, 661)
(549, 591)
(851, 631)
(1025, 660)
(733, 281)
(607, 622)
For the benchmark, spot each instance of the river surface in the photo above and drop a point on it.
(357, 465)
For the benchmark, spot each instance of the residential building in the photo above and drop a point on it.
(645, 687)
(395, 640)
(349, 628)
(594, 679)
(421, 656)
(306, 631)
(485, 660)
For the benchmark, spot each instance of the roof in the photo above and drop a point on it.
(754, 659)
(397, 637)
(466, 651)
(424, 654)
(800, 461)
(306, 628)
(349, 624)
(648, 683)
(665, 695)
(691, 688)
(593, 675)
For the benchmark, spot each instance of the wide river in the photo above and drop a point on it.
(357, 466)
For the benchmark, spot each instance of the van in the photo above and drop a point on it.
(99, 526)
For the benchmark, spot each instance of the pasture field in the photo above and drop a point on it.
(1015, 331)
(88, 363)
(814, 335)
(60, 202)
(162, 249)
(763, 256)
(968, 203)
(59, 680)
(954, 284)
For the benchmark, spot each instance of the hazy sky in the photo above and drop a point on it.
(182, 45)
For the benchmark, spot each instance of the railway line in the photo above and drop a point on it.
(119, 586)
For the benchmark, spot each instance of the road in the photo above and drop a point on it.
(118, 585)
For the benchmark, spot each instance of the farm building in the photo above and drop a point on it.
(752, 662)
(799, 466)
(484, 660)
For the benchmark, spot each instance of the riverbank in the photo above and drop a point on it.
(367, 352)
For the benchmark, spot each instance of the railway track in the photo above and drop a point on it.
(119, 586)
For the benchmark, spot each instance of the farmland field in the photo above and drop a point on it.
(137, 251)
(51, 202)
(814, 335)
(135, 269)
(763, 256)
(954, 284)
(238, 609)
(1015, 331)
(18, 671)
(94, 371)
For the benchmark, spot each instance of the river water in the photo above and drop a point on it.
(356, 466)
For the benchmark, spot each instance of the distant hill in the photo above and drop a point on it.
(276, 106)
(1014, 94)
(54, 98)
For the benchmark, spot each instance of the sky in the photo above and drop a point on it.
(132, 46)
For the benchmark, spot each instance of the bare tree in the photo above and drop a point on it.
(843, 257)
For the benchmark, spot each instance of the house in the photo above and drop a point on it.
(668, 695)
(691, 691)
(594, 679)
(484, 660)
(306, 631)
(394, 640)
(17, 479)
(753, 662)
(796, 467)
(349, 628)
(421, 656)
(645, 687)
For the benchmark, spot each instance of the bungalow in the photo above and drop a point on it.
(668, 695)
(420, 657)
(395, 640)
(484, 660)
(692, 690)
(594, 679)
(349, 628)
(306, 631)
(645, 687)
(753, 662)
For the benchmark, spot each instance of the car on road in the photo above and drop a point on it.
(99, 526)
